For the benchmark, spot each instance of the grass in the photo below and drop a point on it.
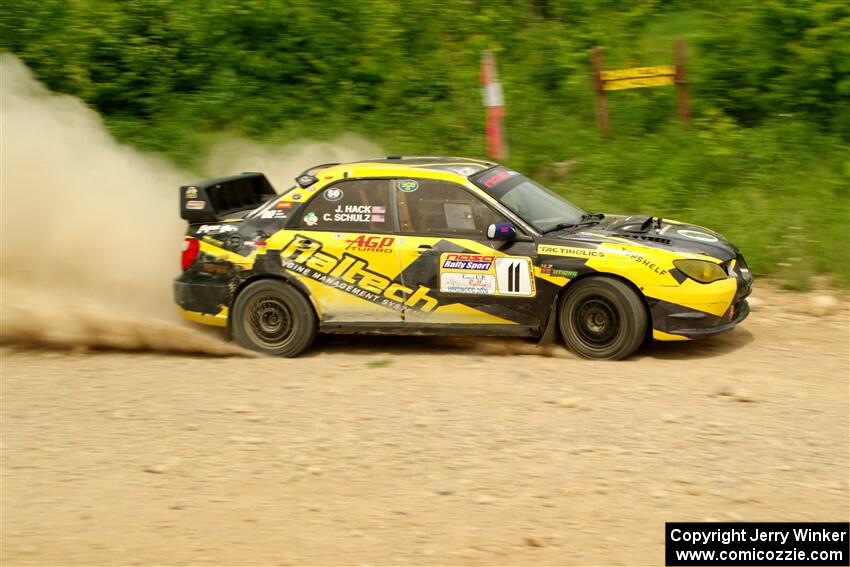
(779, 192)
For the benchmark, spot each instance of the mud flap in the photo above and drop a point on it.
(550, 333)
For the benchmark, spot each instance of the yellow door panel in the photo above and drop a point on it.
(350, 275)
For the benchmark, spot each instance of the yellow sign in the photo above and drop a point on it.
(638, 77)
(639, 83)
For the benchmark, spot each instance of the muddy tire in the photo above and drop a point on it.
(273, 318)
(602, 318)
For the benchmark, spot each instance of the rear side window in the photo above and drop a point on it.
(359, 205)
(428, 206)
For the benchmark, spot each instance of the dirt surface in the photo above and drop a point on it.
(423, 451)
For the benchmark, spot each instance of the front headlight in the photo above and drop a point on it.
(702, 271)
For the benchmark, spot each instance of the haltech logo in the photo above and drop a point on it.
(351, 274)
(365, 243)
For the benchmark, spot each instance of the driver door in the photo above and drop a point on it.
(470, 279)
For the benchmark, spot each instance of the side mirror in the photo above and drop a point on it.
(501, 231)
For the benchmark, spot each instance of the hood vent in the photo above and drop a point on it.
(645, 237)
(638, 224)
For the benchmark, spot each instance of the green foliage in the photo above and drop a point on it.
(766, 160)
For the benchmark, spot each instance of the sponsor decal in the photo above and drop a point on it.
(498, 178)
(474, 284)
(408, 185)
(283, 205)
(363, 243)
(513, 276)
(310, 219)
(696, 235)
(471, 262)
(216, 228)
(646, 263)
(564, 273)
(196, 204)
(548, 270)
(274, 215)
(333, 194)
(191, 193)
(351, 274)
(552, 250)
(484, 274)
(356, 213)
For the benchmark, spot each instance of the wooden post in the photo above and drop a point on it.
(601, 104)
(683, 102)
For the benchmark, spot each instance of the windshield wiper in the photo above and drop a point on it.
(586, 218)
(559, 226)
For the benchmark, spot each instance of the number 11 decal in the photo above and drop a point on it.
(514, 276)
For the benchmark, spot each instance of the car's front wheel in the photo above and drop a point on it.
(273, 318)
(602, 318)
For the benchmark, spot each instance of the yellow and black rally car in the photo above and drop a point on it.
(445, 246)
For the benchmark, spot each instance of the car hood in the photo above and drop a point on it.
(653, 232)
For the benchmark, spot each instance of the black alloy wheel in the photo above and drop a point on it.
(602, 318)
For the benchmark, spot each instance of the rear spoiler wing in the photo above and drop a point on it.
(215, 199)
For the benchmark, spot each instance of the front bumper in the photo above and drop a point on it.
(705, 309)
(694, 324)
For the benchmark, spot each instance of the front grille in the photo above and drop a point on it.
(742, 268)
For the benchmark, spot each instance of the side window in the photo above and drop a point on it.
(433, 206)
(359, 205)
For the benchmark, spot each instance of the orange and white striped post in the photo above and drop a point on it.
(494, 101)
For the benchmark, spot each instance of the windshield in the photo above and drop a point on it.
(533, 203)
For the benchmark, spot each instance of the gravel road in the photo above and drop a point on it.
(375, 451)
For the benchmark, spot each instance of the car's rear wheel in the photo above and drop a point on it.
(273, 318)
(602, 318)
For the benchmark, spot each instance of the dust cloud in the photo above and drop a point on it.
(91, 232)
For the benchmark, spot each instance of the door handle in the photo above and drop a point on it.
(423, 248)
